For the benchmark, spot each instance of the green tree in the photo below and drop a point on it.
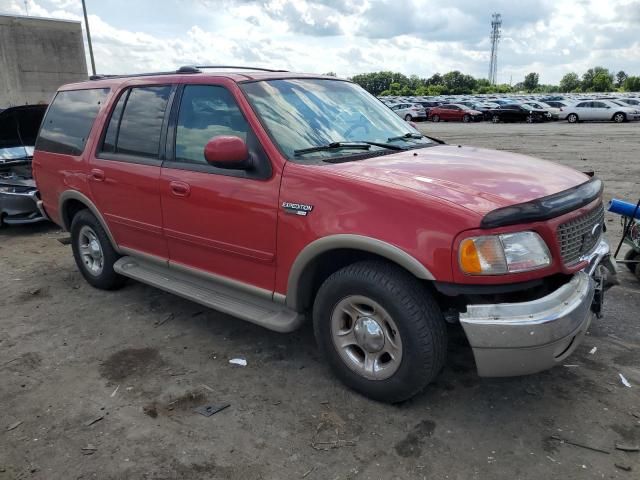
(589, 77)
(570, 82)
(632, 84)
(531, 81)
(621, 76)
(602, 82)
(456, 83)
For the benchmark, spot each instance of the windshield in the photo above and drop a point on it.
(15, 153)
(301, 114)
(527, 107)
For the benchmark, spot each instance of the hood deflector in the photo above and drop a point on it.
(546, 207)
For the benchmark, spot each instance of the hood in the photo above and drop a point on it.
(478, 179)
(18, 131)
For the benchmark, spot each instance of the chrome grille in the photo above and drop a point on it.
(580, 235)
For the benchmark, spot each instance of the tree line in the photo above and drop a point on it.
(596, 79)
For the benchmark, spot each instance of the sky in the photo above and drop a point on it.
(421, 37)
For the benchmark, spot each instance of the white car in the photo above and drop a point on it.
(601, 110)
(409, 111)
(554, 111)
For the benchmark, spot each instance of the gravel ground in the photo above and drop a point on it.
(104, 383)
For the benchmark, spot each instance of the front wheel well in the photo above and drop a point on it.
(327, 263)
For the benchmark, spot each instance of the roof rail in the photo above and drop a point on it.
(236, 67)
(182, 70)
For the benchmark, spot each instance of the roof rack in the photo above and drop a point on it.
(182, 70)
(235, 67)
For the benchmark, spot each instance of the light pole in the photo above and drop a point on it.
(86, 24)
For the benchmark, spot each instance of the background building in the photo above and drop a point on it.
(37, 56)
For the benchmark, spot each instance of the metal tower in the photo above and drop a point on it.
(496, 25)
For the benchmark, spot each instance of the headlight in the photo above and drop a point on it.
(505, 253)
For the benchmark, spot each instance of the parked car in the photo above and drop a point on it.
(554, 111)
(18, 193)
(599, 110)
(518, 112)
(229, 190)
(409, 111)
(633, 102)
(428, 105)
(454, 112)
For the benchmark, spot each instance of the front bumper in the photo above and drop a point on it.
(18, 208)
(521, 338)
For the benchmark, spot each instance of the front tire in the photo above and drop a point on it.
(619, 117)
(466, 118)
(495, 119)
(572, 118)
(380, 330)
(93, 252)
(408, 118)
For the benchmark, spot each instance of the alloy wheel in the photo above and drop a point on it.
(366, 337)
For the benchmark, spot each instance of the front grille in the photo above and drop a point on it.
(579, 236)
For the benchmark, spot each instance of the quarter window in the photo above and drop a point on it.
(68, 122)
(206, 111)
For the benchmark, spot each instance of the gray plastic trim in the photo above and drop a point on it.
(354, 242)
(191, 285)
(76, 195)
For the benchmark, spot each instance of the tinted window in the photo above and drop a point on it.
(205, 112)
(69, 120)
(109, 144)
(598, 105)
(141, 122)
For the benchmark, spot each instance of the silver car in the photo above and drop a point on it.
(409, 111)
(19, 202)
(599, 110)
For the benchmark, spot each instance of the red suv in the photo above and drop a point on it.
(277, 197)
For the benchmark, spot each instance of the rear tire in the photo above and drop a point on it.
(572, 118)
(408, 118)
(495, 119)
(93, 252)
(435, 118)
(619, 117)
(380, 330)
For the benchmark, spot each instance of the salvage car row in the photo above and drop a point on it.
(528, 109)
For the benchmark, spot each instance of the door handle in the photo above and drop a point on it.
(180, 189)
(97, 175)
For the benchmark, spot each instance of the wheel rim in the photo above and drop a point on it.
(572, 118)
(529, 119)
(407, 118)
(466, 119)
(90, 250)
(366, 337)
(436, 118)
(495, 119)
(619, 118)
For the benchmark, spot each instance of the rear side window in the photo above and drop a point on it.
(69, 120)
(135, 126)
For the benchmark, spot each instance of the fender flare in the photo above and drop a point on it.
(353, 242)
(76, 195)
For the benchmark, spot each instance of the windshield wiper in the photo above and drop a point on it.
(406, 136)
(356, 144)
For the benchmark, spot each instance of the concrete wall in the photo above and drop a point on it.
(37, 56)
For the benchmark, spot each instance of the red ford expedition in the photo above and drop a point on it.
(277, 197)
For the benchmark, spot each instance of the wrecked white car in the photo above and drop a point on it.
(19, 201)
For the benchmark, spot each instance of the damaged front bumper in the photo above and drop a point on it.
(511, 339)
(20, 204)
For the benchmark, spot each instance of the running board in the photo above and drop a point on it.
(212, 294)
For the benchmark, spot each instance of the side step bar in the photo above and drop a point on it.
(210, 293)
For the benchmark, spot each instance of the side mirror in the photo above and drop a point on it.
(227, 151)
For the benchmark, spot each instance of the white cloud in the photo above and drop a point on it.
(411, 36)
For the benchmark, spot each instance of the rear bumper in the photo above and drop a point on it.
(521, 338)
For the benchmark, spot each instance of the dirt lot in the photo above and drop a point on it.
(105, 383)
